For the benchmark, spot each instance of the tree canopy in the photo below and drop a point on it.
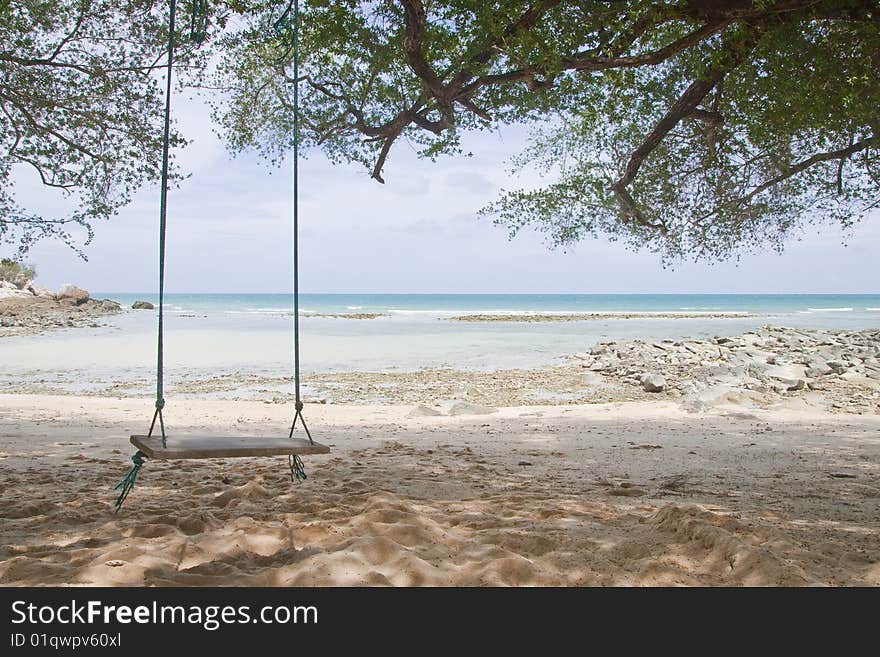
(693, 127)
(80, 108)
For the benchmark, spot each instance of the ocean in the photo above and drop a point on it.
(863, 306)
(216, 335)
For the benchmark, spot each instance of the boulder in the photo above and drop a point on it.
(653, 383)
(72, 293)
(14, 293)
(42, 292)
(837, 366)
(142, 305)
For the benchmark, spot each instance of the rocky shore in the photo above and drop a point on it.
(34, 309)
(840, 369)
(837, 371)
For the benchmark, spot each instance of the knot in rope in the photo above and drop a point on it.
(297, 468)
(160, 404)
(127, 484)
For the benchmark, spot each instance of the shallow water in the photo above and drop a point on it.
(211, 335)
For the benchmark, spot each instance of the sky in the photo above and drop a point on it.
(229, 231)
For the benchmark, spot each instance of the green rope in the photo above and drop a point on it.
(163, 220)
(297, 468)
(290, 18)
(125, 486)
(281, 24)
(296, 376)
(198, 24)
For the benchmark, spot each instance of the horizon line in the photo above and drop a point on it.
(289, 292)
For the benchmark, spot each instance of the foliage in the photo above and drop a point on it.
(80, 108)
(693, 127)
(16, 273)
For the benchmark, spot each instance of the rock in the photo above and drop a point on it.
(14, 293)
(464, 408)
(817, 371)
(142, 305)
(72, 293)
(797, 385)
(109, 306)
(653, 383)
(785, 373)
(837, 366)
(423, 411)
(42, 292)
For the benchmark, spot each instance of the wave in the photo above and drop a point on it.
(830, 310)
(586, 313)
(262, 311)
(873, 310)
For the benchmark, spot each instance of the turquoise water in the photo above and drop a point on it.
(217, 335)
(442, 304)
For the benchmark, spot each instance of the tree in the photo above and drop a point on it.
(693, 127)
(20, 275)
(80, 107)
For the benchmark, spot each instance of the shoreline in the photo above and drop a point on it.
(834, 370)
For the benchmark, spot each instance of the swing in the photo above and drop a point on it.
(160, 447)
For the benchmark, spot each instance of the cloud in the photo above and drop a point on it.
(473, 182)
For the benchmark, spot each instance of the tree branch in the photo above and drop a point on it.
(733, 54)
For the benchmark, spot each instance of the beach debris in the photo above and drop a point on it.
(115, 563)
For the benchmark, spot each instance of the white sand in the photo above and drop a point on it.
(640, 493)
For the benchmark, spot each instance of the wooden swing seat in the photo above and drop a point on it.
(217, 447)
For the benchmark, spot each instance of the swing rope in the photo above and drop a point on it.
(282, 24)
(198, 33)
(127, 484)
(163, 221)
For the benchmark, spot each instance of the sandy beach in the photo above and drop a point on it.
(744, 459)
(639, 493)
